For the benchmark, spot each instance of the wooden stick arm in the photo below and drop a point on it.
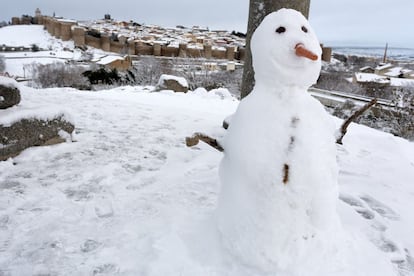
(193, 140)
(352, 118)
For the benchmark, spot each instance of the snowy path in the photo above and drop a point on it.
(117, 201)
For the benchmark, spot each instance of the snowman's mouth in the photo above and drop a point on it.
(301, 51)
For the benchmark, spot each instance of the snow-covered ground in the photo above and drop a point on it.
(51, 49)
(27, 35)
(129, 198)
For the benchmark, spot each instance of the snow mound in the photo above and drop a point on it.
(9, 82)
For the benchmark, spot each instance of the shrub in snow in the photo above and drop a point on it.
(35, 48)
(57, 74)
(397, 119)
(9, 93)
(149, 69)
(174, 83)
(102, 76)
(213, 79)
(337, 81)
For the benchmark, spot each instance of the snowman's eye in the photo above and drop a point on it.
(304, 29)
(281, 29)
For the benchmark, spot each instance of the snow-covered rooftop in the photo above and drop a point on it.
(384, 66)
(370, 77)
(109, 59)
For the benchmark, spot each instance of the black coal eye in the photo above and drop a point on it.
(281, 29)
(304, 29)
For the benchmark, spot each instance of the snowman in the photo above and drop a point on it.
(277, 204)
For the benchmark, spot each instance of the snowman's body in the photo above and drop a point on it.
(279, 172)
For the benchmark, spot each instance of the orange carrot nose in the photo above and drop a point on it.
(301, 51)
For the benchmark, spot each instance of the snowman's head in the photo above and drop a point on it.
(285, 50)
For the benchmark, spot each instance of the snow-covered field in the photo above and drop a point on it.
(129, 198)
(51, 49)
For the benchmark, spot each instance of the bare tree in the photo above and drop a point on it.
(2, 64)
(258, 9)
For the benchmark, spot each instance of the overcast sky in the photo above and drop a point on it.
(337, 22)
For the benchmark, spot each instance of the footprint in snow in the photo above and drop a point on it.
(380, 208)
(368, 207)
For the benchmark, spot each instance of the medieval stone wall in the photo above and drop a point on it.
(70, 30)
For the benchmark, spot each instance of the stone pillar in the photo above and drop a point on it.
(208, 50)
(39, 20)
(105, 42)
(122, 39)
(78, 35)
(48, 24)
(142, 48)
(157, 49)
(131, 47)
(182, 50)
(66, 30)
(15, 21)
(230, 52)
(139, 45)
(242, 53)
(56, 28)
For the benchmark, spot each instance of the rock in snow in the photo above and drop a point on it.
(174, 83)
(9, 93)
(22, 127)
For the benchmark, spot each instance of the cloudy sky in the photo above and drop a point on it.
(338, 22)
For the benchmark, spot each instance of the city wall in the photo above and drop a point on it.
(69, 30)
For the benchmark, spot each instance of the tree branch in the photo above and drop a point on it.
(353, 117)
(193, 140)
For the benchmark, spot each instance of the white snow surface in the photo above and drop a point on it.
(27, 35)
(109, 59)
(9, 82)
(52, 49)
(30, 110)
(129, 198)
